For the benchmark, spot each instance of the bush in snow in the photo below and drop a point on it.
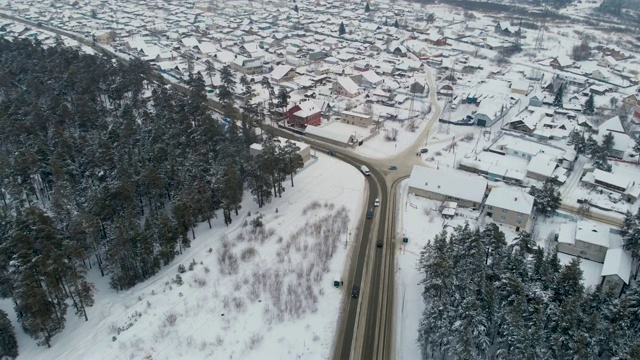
(181, 269)
(178, 280)
(171, 318)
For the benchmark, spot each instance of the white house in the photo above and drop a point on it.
(616, 270)
(447, 185)
(621, 140)
(510, 207)
(282, 73)
(584, 239)
(346, 87)
(541, 167)
(370, 79)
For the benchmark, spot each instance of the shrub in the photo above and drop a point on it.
(181, 269)
(200, 282)
(248, 254)
(171, 318)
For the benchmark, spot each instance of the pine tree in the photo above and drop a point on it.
(600, 159)
(341, 29)
(8, 342)
(591, 146)
(396, 24)
(589, 108)
(295, 8)
(608, 142)
(291, 159)
(546, 200)
(558, 99)
(367, 8)
(283, 99)
(210, 69)
(576, 138)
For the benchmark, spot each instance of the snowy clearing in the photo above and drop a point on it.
(253, 290)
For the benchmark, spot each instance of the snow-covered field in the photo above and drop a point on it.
(253, 293)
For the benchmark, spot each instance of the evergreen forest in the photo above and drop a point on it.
(489, 300)
(102, 167)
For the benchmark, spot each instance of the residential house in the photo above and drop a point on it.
(607, 180)
(489, 112)
(536, 100)
(492, 171)
(346, 87)
(356, 118)
(608, 62)
(251, 50)
(599, 75)
(369, 79)
(510, 207)
(304, 113)
(584, 239)
(103, 37)
(631, 100)
(282, 73)
(436, 39)
(245, 65)
(189, 42)
(621, 140)
(616, 270)
(527, 121)
(561, 62)
(329, 135)
(598, 90)
(520, 87)
(418, 87)
(505, 28)
(448, 185)
(541, 167)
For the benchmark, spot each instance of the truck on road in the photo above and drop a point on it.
(365, 170)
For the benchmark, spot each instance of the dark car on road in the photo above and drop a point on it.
(424, 150)
(370, 214)
(330, 152)
(355, 292)
(393, 167)
(379, 243)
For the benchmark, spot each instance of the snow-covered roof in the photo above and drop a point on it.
(207, 48)
(190, 41)
(356, 114)
(510, 199)
(617, 262)
(307, 108)
(449, 183)
(564, 60)
(281, 71)
(521, 85)
(592, 233)
(372, 77)
(326, 133)
(567, 233)
(613, 124)
(542, 164)
(612, 179)
(348, 84)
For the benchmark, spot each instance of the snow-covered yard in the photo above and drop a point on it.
(248, 292)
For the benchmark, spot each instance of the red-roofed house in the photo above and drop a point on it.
(303, 114)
